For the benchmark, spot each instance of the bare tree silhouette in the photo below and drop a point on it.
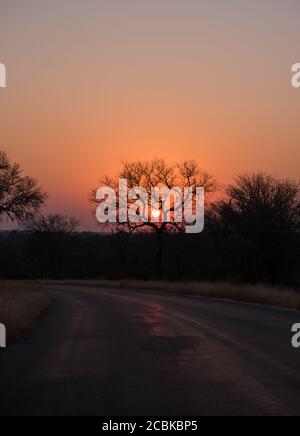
(263, 212)
(265, 197)
(20, 196)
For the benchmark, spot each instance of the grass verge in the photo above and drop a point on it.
(20, 306)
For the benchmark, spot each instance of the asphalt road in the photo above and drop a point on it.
(123, 353)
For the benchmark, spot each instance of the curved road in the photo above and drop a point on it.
(135, 353)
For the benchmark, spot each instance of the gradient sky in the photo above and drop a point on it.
(92, 82)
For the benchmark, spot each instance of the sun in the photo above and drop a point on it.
(155, 213)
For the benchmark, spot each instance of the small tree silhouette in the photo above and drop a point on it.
(53, 224)
(51, 234)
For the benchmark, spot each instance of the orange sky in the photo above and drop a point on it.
(93, 82)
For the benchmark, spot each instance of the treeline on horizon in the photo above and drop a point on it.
(217, 254)
(252, 235)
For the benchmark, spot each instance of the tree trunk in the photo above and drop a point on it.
(159, 254)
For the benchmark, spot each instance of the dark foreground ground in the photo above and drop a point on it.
(129, 353)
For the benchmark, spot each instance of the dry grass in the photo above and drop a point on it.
(255, 294)
(20, 306)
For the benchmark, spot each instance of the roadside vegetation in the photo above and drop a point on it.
(21, 304)
(254, 294)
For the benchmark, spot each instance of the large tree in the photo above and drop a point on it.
(20, 196)
(157, 173)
